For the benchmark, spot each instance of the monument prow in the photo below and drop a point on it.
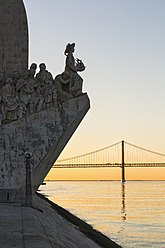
(80, 105)
(37, 113)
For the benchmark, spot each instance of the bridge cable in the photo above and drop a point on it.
(157, 153)
(90, 153)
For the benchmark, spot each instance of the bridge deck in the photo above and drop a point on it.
(108, 165)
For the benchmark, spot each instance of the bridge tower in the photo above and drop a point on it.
(122, 167)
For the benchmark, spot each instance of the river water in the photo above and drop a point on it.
(132, 213)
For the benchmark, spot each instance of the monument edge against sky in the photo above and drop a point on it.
(14, 43)
(37, 113)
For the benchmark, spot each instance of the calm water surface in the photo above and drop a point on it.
(131, 213)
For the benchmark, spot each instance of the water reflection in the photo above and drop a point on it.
(123, 209)
(130, 213)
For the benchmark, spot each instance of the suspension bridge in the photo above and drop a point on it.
(121, 154)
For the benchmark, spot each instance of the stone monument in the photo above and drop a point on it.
(38, 113)
(14, 38)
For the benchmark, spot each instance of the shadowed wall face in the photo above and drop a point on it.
(45, 134)
(13, 38)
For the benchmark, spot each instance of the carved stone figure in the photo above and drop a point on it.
(24, 93)
(26, 87)
(73, 66)
(9, 102)
(44, 76)
(33, 66)
(62, 85)
(46, 87)
(37, 97)
(15, 77)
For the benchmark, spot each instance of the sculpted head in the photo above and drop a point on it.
(25, 75)
(15, 76)
(65, 75)
(9, 80)
(33, 66)
(69, 48)
(42, 66)
(32, 70)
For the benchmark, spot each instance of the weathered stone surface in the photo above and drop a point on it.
(13, 38)
(45, 134)
(37, 113)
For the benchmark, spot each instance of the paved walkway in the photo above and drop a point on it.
(27, 227)
(19, 229)
(19, 224)
(11, 234)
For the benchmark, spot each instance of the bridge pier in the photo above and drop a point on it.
(123, 168)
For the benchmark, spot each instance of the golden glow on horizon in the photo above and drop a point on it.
(106, 174)
(128, 105)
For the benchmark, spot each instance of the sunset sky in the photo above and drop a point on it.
(122, 43)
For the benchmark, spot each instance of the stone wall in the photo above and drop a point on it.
(13, 38)
(45, 134)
